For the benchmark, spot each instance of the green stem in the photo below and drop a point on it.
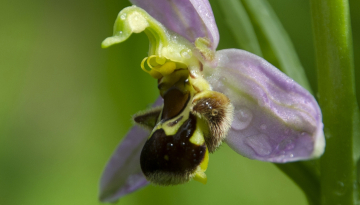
(333, 45)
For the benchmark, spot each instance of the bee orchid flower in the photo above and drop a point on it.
(206, 97)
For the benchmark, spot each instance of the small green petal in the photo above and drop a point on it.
(163, 43)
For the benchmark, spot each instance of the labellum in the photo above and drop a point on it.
(191, 123)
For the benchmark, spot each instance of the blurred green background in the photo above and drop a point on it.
(65, 104)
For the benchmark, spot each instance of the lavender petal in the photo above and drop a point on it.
(275, 119)
(189, 18)
(122, 174)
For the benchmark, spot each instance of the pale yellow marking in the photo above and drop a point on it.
(200, 175)
(198, 136)
(172, 130)
(199, 82)
(205, 162)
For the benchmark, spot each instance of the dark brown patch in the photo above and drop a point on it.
(174, 103)
(178, 79)
(169, 160)
(148, 119)
(210, 108)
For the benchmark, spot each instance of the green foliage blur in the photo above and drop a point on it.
(65, 104)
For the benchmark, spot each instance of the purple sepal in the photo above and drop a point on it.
(275, 119)
(122, 174)
(189, 18)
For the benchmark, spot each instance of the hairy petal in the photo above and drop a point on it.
(122, 174)
(190, 18)
(275, 119)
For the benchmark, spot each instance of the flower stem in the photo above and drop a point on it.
(334, 55)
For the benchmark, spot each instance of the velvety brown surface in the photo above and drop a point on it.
(172, 154)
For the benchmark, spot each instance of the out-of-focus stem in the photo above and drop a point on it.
(239, 23)
(334, 56)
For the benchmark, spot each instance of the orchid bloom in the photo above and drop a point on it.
(209, 96)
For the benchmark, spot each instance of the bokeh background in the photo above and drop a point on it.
(65, 104)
